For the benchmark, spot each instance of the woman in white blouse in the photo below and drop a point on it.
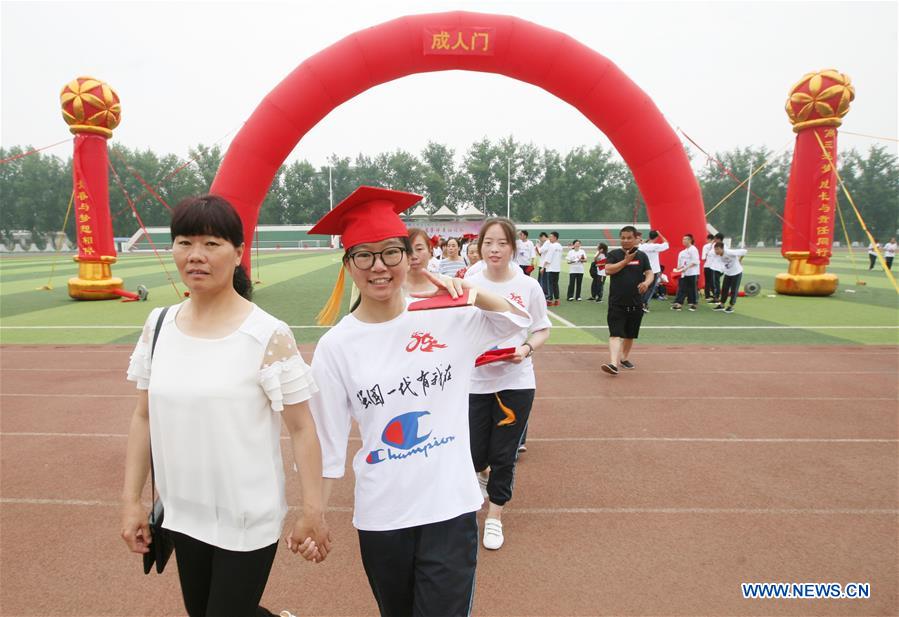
(213, 388)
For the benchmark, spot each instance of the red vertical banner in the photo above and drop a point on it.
(810, 203)
(93, 225)
(824, 197)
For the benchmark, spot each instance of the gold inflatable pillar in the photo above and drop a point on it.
(816, 107)
(91, 109)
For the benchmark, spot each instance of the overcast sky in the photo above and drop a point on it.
(193, 72)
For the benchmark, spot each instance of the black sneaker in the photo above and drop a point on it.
(729, 309)
(611, 369)
(676, 307)
(628, 364)
(571, 299)
(645, 310)
(692, 307)
(720, 307)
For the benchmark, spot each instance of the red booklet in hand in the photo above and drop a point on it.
(495, 355)
(440, 301)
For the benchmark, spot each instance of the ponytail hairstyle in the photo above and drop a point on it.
(211, 215)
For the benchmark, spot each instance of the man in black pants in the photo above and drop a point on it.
(631, 275)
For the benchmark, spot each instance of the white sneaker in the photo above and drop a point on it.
(483, 478)
(493, 534)
(286, 614)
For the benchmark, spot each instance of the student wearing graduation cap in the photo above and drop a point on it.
(403, 376)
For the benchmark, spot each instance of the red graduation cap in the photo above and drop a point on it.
(368, 214)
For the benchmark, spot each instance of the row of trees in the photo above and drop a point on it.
(582, 185)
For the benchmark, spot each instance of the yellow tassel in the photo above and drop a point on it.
(328, 315)
(510, 415)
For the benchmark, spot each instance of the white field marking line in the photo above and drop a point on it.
(568, 326)
(753, 327)
(775, 511)
(567, 323)
(550, 439)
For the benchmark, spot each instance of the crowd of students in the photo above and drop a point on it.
(442, 416)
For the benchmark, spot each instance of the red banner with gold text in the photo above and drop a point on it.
(93, 224)
(810, 204)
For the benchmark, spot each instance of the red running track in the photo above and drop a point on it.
(657, 492)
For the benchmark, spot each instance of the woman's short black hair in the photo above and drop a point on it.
(207, 215)
(211, 215)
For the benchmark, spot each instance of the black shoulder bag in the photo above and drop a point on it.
(161, 545)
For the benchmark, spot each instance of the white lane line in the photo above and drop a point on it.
(551, 439)
(752, 327)
(62, 370)
(513, 510)
(74, 395)
(776, 511)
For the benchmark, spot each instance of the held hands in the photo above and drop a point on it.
(445, 285)
(316, 538)
(135, 528)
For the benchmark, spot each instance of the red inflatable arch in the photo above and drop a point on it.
(473, 42)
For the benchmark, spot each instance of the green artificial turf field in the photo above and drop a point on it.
(295, 285)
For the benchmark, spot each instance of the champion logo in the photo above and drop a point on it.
(423, 341)
(402, 435)
(514, 297)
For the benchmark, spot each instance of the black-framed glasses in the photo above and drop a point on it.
(365, 260)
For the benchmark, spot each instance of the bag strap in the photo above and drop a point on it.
(159, 321)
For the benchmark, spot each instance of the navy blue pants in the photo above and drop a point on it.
(425, 570)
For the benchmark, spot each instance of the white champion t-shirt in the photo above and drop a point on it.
(214, 430)
(496, 376)
(405, 382)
